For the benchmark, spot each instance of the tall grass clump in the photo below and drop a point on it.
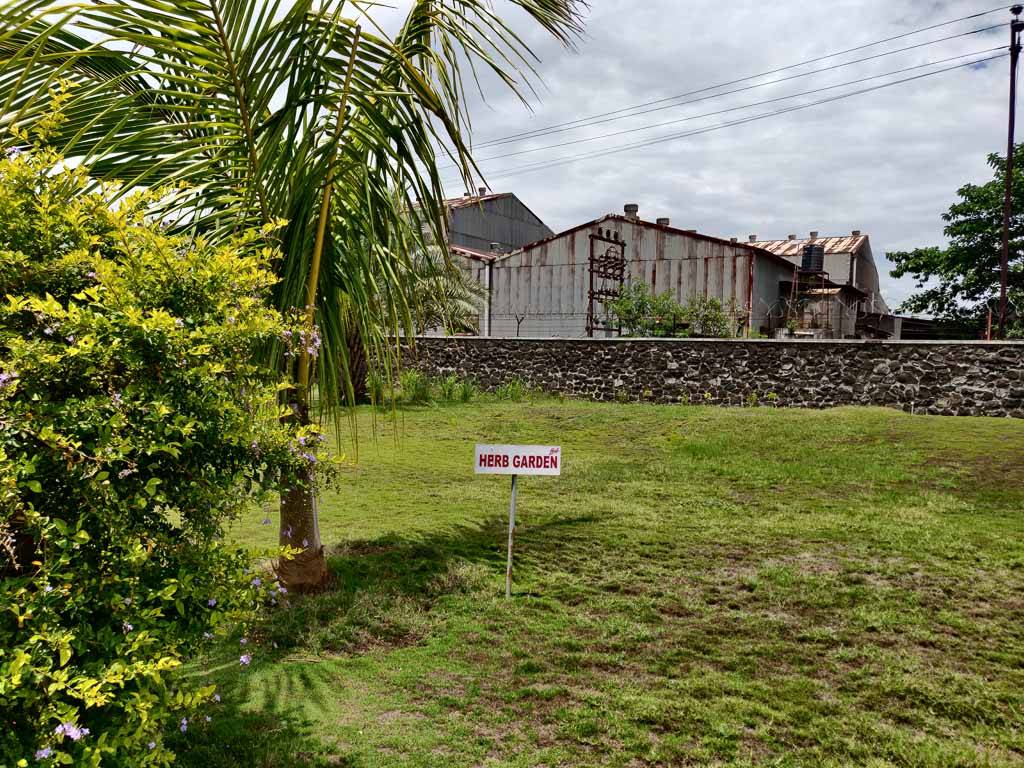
(415, 388)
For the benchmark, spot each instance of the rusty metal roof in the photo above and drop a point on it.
(847, 244)
(473, 253)
(651, 225)
(461, 202)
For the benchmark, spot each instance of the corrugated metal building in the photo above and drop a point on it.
(848, 261)
(493, 222)
(556, 286)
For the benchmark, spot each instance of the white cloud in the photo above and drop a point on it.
(888, 163)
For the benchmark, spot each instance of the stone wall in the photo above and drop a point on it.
(952, 378)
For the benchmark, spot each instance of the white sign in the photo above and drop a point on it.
(518, 460)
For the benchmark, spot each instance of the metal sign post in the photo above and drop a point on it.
(511, 536)
(516, 460)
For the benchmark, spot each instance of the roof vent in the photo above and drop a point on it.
(664, 222)
(495, 247)
(792, 237)
(734, 239)
(814, 234)
(482, 191)
(753, 238)
(632, 210)
(467, 194)
(856, 233)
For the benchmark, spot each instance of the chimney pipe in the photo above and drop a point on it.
(467, 194)
(664, 222)
(632, 210)
(482, 191)
(814, 234)
(792, 237)
(856, 233)
(753, 238)
(734, 239)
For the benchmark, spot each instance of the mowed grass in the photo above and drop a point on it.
(701, 587)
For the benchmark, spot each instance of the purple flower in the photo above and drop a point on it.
(42, 754)
(151, 745)
(207, 718)
(71, 730)
(127, 627)
(283, 590)
(243, 641)
(127, 601)
(211, 602)
(216, 697)
(48, 588)
(48, 331)
(91, 275)
(116, 397)
(266, 521)
(124, 473)
(256, 582)
(305, 543)
(244, 659)
(207, 635)
(309, 457)
(70, 339)
(288, 532)
(6, 379)
(184, 724)
(302, 441)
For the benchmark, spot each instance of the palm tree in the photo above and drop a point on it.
(286, 116)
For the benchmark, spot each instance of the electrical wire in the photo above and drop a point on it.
(587, 120)
(664, 139)
(734, 109)
(740, 90)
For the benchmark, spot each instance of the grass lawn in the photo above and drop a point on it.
(701, 587)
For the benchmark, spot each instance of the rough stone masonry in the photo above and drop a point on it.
(950, 378)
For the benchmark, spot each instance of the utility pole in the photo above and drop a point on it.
(1016, 26)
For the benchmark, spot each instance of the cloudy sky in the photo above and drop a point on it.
(887, 162)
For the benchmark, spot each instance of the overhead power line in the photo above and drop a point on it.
(540, 166)
(744, 89)
(737, 108)
(580, 122)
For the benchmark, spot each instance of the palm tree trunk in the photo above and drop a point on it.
(358, 366)
(300, 528)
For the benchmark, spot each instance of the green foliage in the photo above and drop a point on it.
(642, 314)
(448, 388)
(468, 390)
(377, 388)
(133, 425)
(513, 389)
(415, 388)
(961, 281)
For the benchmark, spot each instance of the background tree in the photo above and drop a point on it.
(961, 281)
(261, 111)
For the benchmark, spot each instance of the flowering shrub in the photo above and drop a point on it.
(134, 423)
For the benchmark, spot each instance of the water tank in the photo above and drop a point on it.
(814, 258)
